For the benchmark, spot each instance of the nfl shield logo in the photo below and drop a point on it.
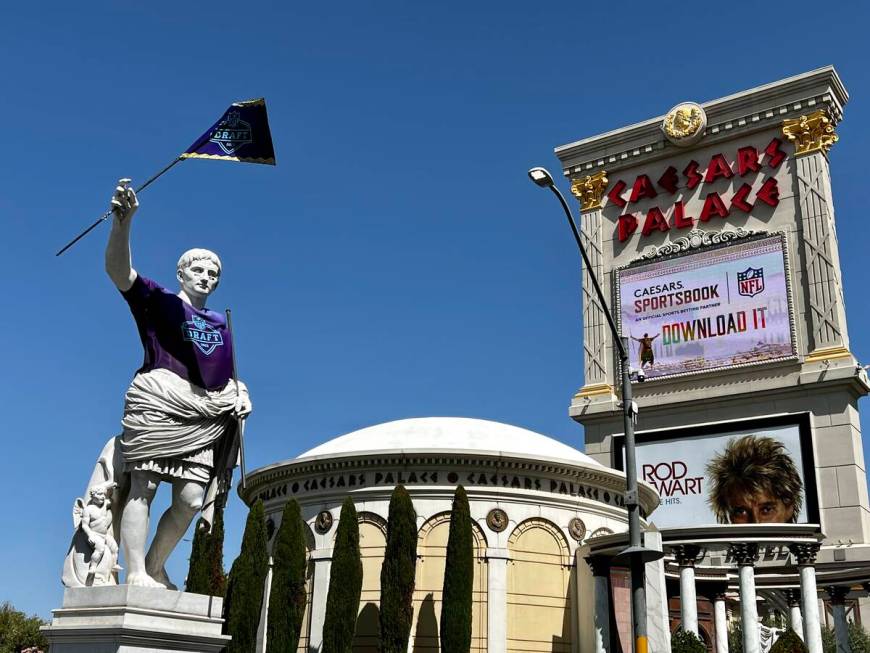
(750, 282)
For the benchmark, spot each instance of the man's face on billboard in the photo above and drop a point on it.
(759, 508)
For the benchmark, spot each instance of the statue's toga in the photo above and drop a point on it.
(180, 411)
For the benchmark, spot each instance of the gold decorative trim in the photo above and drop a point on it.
(220, 157)
(594, 390)
(589, 190)
(828, 353)
(813, 132)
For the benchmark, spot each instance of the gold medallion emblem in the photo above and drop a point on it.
(685, 124)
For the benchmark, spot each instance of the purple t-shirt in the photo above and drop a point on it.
(193, 343)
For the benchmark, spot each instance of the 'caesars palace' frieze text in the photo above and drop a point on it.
(477, 479)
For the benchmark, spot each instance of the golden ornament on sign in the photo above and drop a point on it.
(590, 190)
(685, 124)
(813, 132)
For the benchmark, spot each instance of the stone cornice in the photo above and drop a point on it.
(744, 113)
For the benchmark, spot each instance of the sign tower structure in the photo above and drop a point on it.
(713, 230)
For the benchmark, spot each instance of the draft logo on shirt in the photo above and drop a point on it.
(232, 133)
(750, 282)
(202, 334)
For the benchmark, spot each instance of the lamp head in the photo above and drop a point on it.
(541, 177)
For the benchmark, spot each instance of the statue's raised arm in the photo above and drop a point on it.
(119, 262)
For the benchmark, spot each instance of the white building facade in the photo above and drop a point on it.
(535, 503)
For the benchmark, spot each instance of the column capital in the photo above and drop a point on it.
(837, 594)
(600, 565)
(792, 597)
(813, 132)
(686, 554)
(745, 553)
(805, 552)
(590, 190)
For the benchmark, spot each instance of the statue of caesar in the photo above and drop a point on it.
(182, 407)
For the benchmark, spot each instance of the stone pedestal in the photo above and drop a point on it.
(129, 619)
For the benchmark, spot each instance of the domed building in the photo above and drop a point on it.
(534, 503)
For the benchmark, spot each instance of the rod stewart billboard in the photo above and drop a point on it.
(708, 310)
(742, 472)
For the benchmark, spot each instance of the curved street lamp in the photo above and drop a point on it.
(635, 554)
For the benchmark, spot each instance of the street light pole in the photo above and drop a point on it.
(636, 554)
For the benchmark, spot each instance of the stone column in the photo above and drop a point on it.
(795, 620)
(805, 554)
(745, 554)
(837, 594)
(720, 620)
(496, 600)
(686, 555)
(590, 191)
(601, 575)
(322, 559)
(812, 135)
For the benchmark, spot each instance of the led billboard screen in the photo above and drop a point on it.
(757, 471)
(708, 310)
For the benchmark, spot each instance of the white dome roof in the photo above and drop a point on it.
(449, 434)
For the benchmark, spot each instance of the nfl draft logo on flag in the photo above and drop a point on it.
(750, 282)
(241, 134)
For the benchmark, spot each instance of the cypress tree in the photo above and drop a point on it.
(245, 589)
(287, 600)
(397, 573)
(206, 573)
(456, 601)
(345, 584)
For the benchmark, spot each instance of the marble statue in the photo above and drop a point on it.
(95, 519)
(181, 411)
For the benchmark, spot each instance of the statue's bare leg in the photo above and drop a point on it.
(187, 498)
(134, 526)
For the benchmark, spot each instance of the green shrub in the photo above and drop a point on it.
(345, 584)
(397, 573)
(735, 638)
(789, 642)
(287, 598)
(859, 640)
(247, 580)
(206, 573)
(456, 605)
(684, 641)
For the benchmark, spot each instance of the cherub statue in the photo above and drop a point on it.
(95, 519)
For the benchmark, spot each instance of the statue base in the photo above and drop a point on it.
(132, 619)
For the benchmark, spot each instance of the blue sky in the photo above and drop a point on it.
(396, 263)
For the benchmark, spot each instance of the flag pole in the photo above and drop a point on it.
(106, 215)
(240, 423)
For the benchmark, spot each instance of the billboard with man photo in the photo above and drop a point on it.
(758, 472)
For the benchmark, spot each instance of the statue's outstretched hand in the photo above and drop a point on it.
(124, 201)
(243, 406)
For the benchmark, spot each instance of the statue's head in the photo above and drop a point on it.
(98, 495)
(199, 272)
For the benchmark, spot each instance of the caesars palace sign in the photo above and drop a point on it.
(690, 310)
(745, 160)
